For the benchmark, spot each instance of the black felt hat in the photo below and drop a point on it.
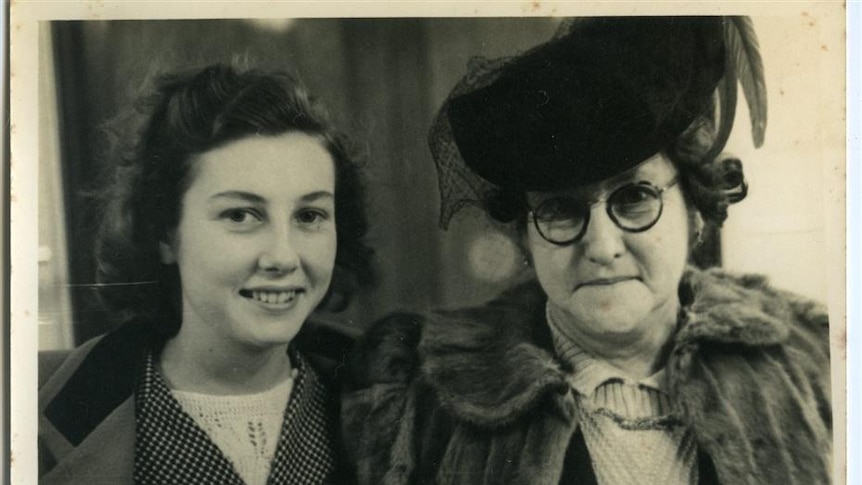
(603, 95)
(590, 104)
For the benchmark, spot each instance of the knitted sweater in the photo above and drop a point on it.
(477, 396)
(630, 428)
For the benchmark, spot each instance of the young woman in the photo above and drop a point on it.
(223, 227)
(619, 364)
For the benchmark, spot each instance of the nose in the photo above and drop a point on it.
(603, 241)
(279, 255)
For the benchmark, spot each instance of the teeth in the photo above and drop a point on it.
(273, 297)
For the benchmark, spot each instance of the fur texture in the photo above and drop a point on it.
(476, 395)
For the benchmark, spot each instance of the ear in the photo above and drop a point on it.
(696, 225)
(167, 254)
(523, 244)
(521, 237)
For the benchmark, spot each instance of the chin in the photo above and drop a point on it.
(615, 324)
(613, 319)
(273, 335)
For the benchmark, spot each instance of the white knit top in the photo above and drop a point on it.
(246, 428)
(630, 426)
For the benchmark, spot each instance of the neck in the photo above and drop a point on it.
(191, 363)
(638, 354)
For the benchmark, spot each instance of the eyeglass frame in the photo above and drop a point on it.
(592, 202)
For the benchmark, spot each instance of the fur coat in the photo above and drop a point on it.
(476, 396)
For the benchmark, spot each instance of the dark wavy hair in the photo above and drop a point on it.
(190, 113)
(710, 183)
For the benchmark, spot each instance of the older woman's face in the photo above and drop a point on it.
(612, 282)
(256, 240)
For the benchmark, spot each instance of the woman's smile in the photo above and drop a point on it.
(275, 299)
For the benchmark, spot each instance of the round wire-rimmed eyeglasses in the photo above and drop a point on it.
(633, 207)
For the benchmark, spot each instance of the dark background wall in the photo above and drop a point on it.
(382, 79)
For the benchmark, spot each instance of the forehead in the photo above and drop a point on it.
(657, 170)
(270, 165)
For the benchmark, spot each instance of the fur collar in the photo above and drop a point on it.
(491, 364)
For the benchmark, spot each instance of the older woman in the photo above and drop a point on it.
(620, 364)
(224, 222)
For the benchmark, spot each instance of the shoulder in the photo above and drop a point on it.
(727, 315)
(720, 306)
(381, 374)
(415, 376)
(750, 337)
(91, 381)
(379, 401)
(401, 346)
(387, 352)
(325, 345)
(84, 405)
(52, 361)
(751, 372)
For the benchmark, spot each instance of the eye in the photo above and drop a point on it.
(312, 217)
(242, 216)
(634, 195)
(635, 205)
(560, 208)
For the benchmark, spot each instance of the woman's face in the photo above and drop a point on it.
(614, 283)
(256, 240)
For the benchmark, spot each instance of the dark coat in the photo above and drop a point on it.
(476, 396)
(87, 406)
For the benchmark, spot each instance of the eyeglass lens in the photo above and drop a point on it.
(633, 207)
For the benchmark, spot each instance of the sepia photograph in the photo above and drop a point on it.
(477, 244)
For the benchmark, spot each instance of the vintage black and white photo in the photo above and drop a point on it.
(586, 246)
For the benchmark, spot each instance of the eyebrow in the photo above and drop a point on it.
(636, 174)
(254, 198)
(238, 194)
(631, 176)
(320, 194)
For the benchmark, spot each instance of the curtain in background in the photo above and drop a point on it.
(382, 79)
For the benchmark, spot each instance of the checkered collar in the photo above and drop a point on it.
(171, 448)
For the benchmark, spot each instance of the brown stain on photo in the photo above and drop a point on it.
(841, 343)
(533, 7)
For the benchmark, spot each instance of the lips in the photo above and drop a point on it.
(272, 296)
(606, 281)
